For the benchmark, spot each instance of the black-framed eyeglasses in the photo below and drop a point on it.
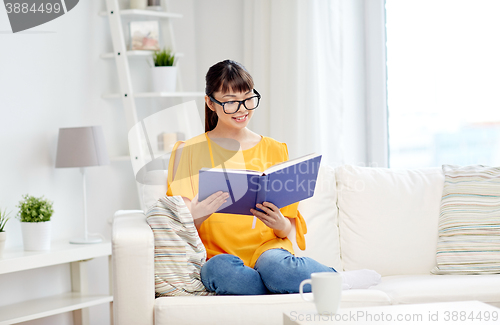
(233, 106)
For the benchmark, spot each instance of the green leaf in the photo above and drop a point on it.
(163, 58)
(3, 219)
(32, 209)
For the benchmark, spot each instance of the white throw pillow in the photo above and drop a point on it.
(388, 218)
(321, 215)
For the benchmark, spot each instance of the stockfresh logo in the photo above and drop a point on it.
(26, 14)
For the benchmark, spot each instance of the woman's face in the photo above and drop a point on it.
(237, 120)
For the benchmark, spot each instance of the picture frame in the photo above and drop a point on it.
(144, 35)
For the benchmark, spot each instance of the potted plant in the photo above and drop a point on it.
(3, 234)
(164, 71)
(34, 214)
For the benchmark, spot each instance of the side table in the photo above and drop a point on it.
(77, 301)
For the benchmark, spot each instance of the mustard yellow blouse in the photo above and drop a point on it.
(229, 233)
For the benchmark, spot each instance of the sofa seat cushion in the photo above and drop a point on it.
(267, 309)
(412, 289)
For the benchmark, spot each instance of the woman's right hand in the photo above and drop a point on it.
(202, 210)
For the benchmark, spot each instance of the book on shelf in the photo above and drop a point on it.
(281, 184)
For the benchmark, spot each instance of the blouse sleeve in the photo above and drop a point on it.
(182, 182)
(292, 212)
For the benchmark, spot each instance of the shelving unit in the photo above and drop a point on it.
(77, 301)
(127, 94)
(162, 94)
(134, 54)
(139, 12)
(39, 308)
(121, 55)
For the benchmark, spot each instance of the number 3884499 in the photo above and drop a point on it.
(18, 7)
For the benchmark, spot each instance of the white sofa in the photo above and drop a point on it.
(359, 217)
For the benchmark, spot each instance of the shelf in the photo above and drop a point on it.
(135, 54)
(130, 54)
(120, 158)
(162, 94)
(48, 306)
(127, 158)
(139, 12)
(17, 259)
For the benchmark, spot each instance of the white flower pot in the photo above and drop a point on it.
(164, 79)
(3, 238)
(36, 235)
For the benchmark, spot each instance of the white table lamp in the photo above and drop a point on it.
(82, 147)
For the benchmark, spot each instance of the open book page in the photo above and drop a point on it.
(229, 170)
(289, 163)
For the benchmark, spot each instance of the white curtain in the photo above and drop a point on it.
(293, 51)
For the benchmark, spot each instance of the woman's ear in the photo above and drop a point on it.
(209, 103)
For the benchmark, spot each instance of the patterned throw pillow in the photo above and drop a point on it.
(179, 252)
(469, 223)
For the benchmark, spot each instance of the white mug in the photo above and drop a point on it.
(326, 289)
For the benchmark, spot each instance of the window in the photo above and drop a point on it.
(443, 82)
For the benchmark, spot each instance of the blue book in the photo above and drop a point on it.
(282, 184)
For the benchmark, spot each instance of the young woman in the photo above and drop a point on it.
(242, 258)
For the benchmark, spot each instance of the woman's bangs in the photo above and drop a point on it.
(237, 81)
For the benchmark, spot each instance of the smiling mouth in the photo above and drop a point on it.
(241, 118)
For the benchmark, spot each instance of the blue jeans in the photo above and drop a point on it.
(276, 271)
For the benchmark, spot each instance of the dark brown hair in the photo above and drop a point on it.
(225, 76)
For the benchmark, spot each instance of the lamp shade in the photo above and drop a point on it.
(81, 147)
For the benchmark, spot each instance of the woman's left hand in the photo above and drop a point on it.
(273, 218)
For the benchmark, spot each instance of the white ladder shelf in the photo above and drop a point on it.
(121, 56)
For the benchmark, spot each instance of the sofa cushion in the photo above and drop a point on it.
(414, 289)
(233, 310)
(469, 223)
(321, 216)
(388, 218)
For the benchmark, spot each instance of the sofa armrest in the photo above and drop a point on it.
(133, 270)
(121, 213)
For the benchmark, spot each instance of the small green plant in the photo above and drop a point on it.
(3, 219)
(32, 209)
(163, 58)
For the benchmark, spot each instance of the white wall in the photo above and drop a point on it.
(51, 77)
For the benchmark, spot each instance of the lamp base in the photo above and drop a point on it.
(89, 240)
